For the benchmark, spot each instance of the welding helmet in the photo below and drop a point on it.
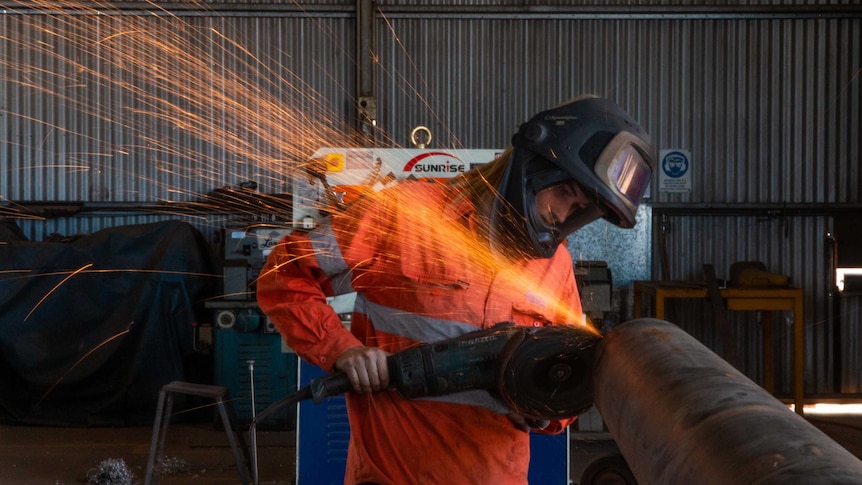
(590, 141)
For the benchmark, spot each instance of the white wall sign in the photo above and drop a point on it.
(674, 171)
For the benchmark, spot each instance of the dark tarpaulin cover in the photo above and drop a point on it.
(91, 329)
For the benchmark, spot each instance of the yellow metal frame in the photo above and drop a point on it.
(741, 299)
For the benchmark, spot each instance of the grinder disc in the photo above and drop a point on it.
(548, 375)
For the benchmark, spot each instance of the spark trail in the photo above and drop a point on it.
(176, 105)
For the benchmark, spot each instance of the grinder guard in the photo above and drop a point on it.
(548, 374)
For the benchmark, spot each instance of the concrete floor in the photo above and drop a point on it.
(200, 453)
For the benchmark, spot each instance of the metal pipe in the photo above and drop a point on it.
(681, 414)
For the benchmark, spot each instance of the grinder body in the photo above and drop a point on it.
(543, 373)
(459, 364)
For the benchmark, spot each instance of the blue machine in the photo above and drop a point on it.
(243, 334)
(323, 432)
(549, 459)
(274, 373)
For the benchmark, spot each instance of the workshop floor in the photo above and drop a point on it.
(199, 454)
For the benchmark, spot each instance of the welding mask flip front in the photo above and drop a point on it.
(590, 141)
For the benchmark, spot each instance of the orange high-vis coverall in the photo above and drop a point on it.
(420, 275)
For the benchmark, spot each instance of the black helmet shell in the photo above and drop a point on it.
(561, 144)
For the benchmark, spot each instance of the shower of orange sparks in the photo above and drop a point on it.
(454, 234)
(446, 232)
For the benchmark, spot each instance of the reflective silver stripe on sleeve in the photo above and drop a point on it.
(342, 283)
(413, 326)
(330, 260)
(427, 329)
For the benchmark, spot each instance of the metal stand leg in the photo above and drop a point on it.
(240, 464)
(226, 411)
(157, 425)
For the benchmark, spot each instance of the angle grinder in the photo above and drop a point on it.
(538, 372)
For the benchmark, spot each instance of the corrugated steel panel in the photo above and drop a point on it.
(187, 7)
(127, 108)
(769, 109)
(749, 94)
(557, 8)
(310, 5)
(794, 246)
(688, 81)
(751, 99)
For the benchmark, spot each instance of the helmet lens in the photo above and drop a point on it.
(623, 166)
(629, 173)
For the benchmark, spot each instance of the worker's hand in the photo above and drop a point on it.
(366, 368)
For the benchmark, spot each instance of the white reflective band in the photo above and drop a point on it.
(427, 329)
(329, 258)
(411, 325)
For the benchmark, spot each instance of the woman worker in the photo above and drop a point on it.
(432, 261)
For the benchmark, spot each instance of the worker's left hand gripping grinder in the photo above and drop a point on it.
(543, 373)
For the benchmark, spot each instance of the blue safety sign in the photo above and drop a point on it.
(675, 171)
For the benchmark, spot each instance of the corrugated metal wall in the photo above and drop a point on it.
(133, 108)
(766, 97)
(795, 246)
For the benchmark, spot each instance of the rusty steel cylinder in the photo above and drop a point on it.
(682, 415)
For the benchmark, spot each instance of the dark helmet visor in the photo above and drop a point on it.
(624, 166)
